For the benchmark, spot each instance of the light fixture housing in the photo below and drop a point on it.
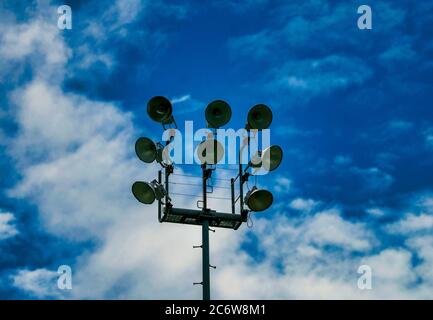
(259, 117)
(147, 192)
(218, 113)
(145, 149)
(148, 151)
(258, 199)
(160, 110)
(272, 157)
(269, 159)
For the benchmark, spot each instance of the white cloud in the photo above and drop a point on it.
(318, 76)
(181, 99)
(391, 264)
(187, 104)
(7, 229)
(377, 212)
(309, 272)
(328, 228)
(372, 179)
(114, 19)
(77, 164)
(38, 43)
(304, 205)
(40, 282)
(282, 184)
(74, 120)
(412, 223)
(322, 229)
(423, 246)
(394, 277)
(127, 10)
(427, 203)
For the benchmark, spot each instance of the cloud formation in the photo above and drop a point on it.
(7, 228)
(76, 164)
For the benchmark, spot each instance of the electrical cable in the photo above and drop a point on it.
(185, 184)
(196, 196)
(198, 185)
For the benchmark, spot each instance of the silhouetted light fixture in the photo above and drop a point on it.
(148, 151)
(147, 192)
(259, 117)
(145, 150)
(272, 157)
(258, 199)
(218, 113)
(210, 151)
(269, 159)
(160, 109)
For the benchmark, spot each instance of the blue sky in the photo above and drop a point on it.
(352, 111)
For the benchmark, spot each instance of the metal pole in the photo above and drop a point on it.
(167, 173)
(241, 175)
(232, 188)
(204, 186)
(206, 273)
(241, 183)
(159, 201)
(205, 239)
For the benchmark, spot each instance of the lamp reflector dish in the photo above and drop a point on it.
(259, 117)
(143, 192)
(258, 199)
(145, 150)
(272, 157)
(147, 192)
(218, 113)
(160, 109)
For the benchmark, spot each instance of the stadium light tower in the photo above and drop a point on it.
(210, 152)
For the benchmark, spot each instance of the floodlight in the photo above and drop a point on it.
(272, 157)
(269, 159)
(218, 113)
(258, 199)
(210, 151)
(147, 192)
(146, 150)
(160, 109)
(259, 117)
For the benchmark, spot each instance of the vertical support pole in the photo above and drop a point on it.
(241, 183)
(167, 173)
(206, 273)
(204, 181)
(241, 174)
(159, 201)
(205, 240)
(232, 187)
